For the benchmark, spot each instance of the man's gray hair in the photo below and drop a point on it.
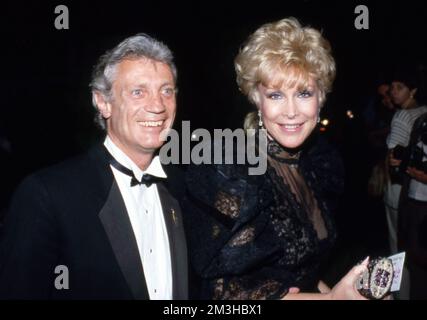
(138, 46)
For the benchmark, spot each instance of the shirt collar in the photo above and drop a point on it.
(155, 167)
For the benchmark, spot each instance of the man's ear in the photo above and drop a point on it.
(102, 104)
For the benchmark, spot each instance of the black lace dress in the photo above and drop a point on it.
(253, 237)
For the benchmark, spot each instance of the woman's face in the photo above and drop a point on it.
(400, 93)
(289, 114)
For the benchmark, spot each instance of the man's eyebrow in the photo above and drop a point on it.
(168, 83)
(145, 84)
(139, 85)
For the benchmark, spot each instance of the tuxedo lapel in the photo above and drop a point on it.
(117, 225)
(177, 243)
(120, 233)
(118, 228)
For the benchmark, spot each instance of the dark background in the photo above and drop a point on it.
(45, 108)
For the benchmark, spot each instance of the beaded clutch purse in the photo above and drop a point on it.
(376, 281)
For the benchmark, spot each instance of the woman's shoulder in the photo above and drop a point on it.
(212, 177)
(322, 161)
(405, 115)
(225, 186)
(321, 148)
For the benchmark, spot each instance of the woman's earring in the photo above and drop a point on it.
(318, 116)
(260, 124)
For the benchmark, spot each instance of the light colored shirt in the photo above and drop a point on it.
(146, 216)
(417, 189)
(401, 126)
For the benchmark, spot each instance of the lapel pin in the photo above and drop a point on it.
(174, 218)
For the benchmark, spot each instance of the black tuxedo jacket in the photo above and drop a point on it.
(73, 215)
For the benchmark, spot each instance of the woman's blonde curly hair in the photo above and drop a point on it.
(297, 52)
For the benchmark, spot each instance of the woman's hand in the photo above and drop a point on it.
(294, 290)
(323, 287)
(345, 289)
(416, 174)
(392, 161)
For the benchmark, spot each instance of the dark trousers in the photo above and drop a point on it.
(413, 239)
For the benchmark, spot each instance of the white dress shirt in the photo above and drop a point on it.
(146, 216)
(418, 190)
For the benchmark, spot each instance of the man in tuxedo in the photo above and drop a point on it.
(103, 225)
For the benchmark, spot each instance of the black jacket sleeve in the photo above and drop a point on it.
(29, 244)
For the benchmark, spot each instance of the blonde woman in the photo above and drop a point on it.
(260, 237)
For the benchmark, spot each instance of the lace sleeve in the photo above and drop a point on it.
(243, 288)
(227, 204)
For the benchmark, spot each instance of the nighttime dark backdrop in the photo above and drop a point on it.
(46, 113)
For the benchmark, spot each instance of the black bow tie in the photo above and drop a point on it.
(146, 179)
